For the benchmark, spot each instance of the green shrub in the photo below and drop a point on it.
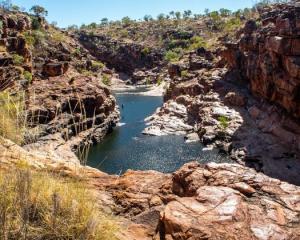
(224, 122)
(86, 72)
(124, 33)
(184, 73)
(28, 76)
(146, 51)
(35, 37)
(197, 42)
(174, 55)
(58, 37)
(35, 23)
(177, 43)
(97, 65)
(18, 59)
(232, 24)
(39, 37)
(159, 80)
(29, 39)
(76, 52)
(106, 79)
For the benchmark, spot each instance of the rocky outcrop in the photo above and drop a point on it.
(229, 201)
(13, 46)
(67, 106)
(170, 119)
(123, 56)
(55, 69)
(75, 114)
(214, 201)
(217, 106)
(268, 56)
(206, 202)
(257, 126)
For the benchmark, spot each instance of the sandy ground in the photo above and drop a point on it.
(153, 90)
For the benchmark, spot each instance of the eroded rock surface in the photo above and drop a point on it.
(126, 57)
(268, 56)
(217, 201)
(70, 115)
(214, 201)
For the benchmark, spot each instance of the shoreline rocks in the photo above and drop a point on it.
(69, 116)
(215, 201)
(168, 120)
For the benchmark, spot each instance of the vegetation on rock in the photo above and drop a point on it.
(13, 120)
(40, 205)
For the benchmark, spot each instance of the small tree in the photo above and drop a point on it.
(39, 11)
(206, 11)
(104, 21)
(92, 25)
(15, 8)
(178, 15)
(148, 18)
(225, 12)
(161, 17)
(6, 4)
(187, 14)
(172, 14)
(126, 21)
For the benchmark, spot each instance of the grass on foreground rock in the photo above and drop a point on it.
(12, 116)
(36, 205)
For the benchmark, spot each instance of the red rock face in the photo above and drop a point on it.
(269, 56)
(216, 201)
(55, 69)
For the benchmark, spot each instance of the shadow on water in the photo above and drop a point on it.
(127, 148)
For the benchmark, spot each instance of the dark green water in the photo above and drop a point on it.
(127, 148)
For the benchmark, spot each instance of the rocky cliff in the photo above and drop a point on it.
(267, 55)
(127, 57)
(67, 106)
(235, 101)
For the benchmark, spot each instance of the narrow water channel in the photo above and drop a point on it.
(127, 148)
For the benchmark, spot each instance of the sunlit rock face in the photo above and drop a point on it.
(216, 201)
(269, 56)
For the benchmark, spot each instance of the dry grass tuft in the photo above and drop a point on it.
(43, 206)
(12, 116)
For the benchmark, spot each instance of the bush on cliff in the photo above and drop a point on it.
(106, 79)
(44, 206)
(197, 42)
(174, 55)
(18, 59)
(28, 76)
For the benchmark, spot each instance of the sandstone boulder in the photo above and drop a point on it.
(55, 69)
(235, 99)
(228, 202)
(174, 70)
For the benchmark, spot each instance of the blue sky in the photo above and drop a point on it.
(67, 12)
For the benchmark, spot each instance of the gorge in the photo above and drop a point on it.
(177, 128)
(127, 148)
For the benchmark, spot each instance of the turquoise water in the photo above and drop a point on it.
(127, 148)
